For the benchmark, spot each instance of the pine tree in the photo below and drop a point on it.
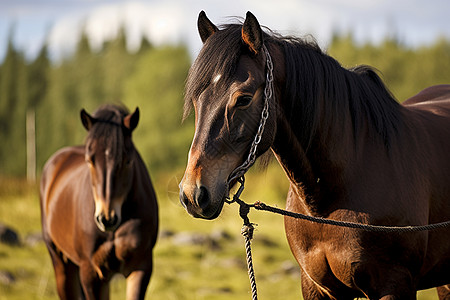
(157, 87)
(13, 93)
(117, 64)
(38, 77)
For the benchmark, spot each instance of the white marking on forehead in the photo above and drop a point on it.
(217, 78)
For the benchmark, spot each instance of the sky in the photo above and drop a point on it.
(60, 22)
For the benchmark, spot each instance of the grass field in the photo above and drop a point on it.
(194, 259)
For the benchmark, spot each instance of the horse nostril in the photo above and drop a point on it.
(99, 218)
(202, 197)
(184, 199)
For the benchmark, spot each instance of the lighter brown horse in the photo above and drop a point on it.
(349, 149)
(99, 210)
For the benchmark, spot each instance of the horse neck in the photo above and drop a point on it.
(140, 174)
(316, 171)
(136, 168)
(325, 121)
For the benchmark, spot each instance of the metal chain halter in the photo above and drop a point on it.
(239, 172)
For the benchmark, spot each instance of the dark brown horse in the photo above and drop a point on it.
(99, 210)
(350, 151)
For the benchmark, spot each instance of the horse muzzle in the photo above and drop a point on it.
(200, 202)
(109, 223)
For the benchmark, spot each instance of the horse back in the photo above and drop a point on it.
(59, 169)
(433, 93)
(65, 178)
(58, 172)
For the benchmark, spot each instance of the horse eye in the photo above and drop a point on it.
(128, 162)
(243, 100)
(90, 159)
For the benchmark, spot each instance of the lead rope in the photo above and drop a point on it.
(247, 233)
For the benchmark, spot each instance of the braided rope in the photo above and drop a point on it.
(367, 227)
(247, 233)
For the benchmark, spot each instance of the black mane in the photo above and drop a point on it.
(314, 82)
(313, 78)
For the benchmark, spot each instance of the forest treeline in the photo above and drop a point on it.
(53, 93)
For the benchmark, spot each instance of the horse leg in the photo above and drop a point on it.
(398, 290)
(94, 288)
(311, 291)
(444, 292)
(387, 283)
(137, 283)
(66, 274)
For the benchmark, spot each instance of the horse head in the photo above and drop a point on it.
(225, 87)
(110, 154)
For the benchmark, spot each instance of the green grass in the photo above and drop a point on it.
(193, 272)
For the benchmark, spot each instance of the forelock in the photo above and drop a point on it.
(220, 55)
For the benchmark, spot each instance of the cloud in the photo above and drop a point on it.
(173, 21)
(161, 22)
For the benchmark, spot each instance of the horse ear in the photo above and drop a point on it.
(87, 120)
(205, 27)
(252, 34)
(131, 121)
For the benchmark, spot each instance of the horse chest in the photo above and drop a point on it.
(122, 249)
